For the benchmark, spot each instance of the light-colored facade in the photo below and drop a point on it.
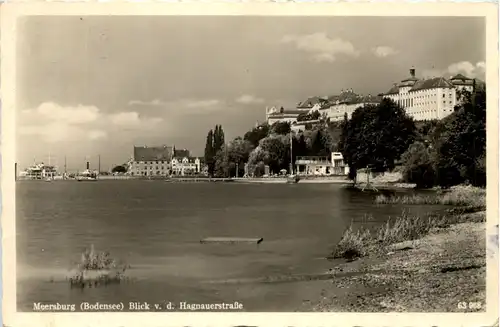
(161, 161)
(346, 103)
(274, 114)
(150, 161)
(332, 108)
(39, 171)
(321, 166)
(186, 166)
(338, 164)
(462, 82)
(425, 99)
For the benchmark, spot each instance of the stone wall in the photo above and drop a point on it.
(385, 177)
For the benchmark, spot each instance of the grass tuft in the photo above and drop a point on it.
(97, 269)
(354, 244)
(405, 227)
(457, 196)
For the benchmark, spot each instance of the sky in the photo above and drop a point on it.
(96, 86)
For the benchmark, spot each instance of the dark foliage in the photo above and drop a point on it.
(256, 134)
(376, 136)
(417, 166)
(460, 143)
(315, 115)
(214, 143)
(281, 128)
(119, 169)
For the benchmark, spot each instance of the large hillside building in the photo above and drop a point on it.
(424, 99)
(346, 103)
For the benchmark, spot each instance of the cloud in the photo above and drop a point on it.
(463, 67)
(71, 115)
(249, 99)
(54, 123)
(467, 68)
(322, 47)
(201, 103)
(97, 134)
(384, 51)
(184, 105)
(154, 102)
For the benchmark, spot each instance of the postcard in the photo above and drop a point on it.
(263, 164)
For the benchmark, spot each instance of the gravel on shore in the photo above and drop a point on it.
(432, 274)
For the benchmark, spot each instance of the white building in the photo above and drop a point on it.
(346, 103)
(427, 99)
(274, 114)
(338, 164)
(322, 166)
(462, 82)
(162, 161)
(186, 166)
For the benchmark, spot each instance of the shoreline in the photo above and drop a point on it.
(412, 276)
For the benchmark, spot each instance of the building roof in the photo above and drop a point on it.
(288, 112)
(394, 90)
(432, 83)
(311, 101)
(181, 153)
(154, 153)
(410, 79)
(461, 77)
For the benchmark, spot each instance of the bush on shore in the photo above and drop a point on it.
(353, 244)
(97, 268)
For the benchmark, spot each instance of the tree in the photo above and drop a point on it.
(281, 128)
(221, 163)
(218, 142)
(119, 169)
(256, 134)
(417, 166)
(258, 155)
(344, 129)
(277, 148)
(376, 136)
(460, 143)
(321, 141)
(210, 152)
(230, 159)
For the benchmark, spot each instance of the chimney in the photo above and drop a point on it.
(412, 72)
(88, 165)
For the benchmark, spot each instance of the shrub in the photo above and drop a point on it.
(417, 166)
(353, 244)
(97, 268)
(405, 227)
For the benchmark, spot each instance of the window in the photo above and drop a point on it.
(443, 95)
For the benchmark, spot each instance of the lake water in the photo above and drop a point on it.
(156, 228)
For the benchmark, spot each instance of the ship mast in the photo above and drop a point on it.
(291, 153)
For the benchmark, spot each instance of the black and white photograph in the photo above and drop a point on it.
(251, 163)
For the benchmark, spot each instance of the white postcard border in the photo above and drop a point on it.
(11, 11)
